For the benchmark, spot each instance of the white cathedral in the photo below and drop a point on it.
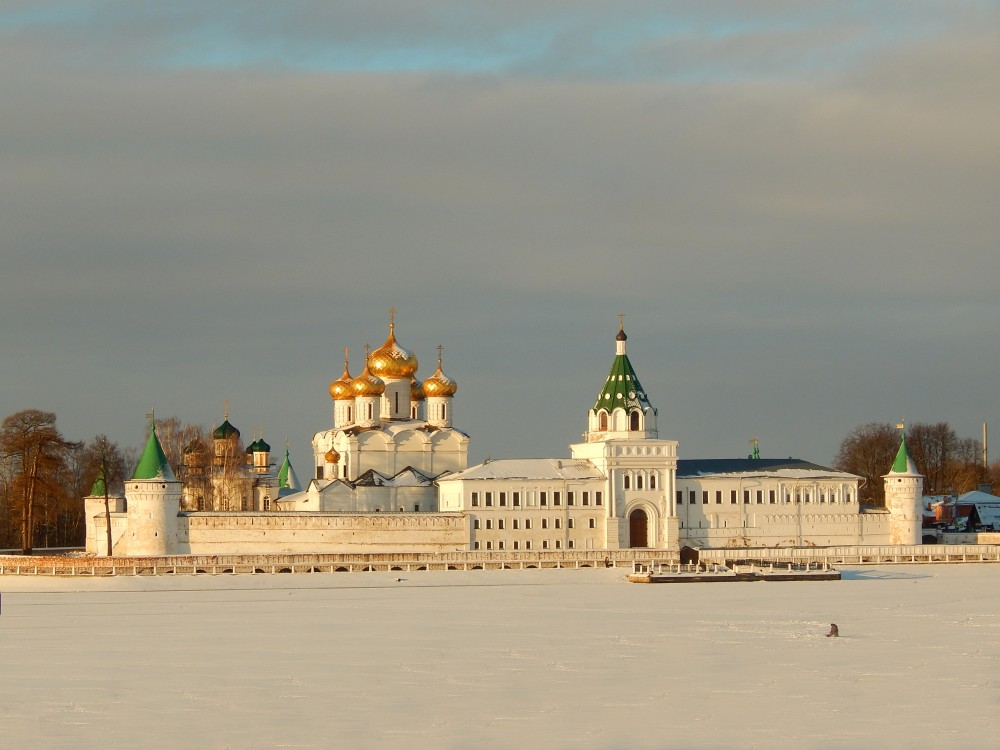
(392, 474)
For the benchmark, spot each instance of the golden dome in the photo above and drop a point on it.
(439, 384)
(391, 360)
(332, 456)
(340, 390)
(367, 384)
(416, 390)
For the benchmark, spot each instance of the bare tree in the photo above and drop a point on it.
(175, 437)
(993, 476)
(37, 449)
(868, 451)
(106, 470)
(948, 463)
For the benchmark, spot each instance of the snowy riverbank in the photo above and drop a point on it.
(499, 659)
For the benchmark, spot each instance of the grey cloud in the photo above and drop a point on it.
(766, 238)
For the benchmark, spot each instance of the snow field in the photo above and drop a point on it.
(501, 659)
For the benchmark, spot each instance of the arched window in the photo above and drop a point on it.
(628, 482)
(638, 482)
(350, 414)
(602, 420)
(652, 480)
(633, 421)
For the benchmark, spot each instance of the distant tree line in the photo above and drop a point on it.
(44, 476)
(949, 463)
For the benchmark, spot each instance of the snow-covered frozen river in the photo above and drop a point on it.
(502, 659)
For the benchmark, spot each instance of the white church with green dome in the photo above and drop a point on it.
(392, 474)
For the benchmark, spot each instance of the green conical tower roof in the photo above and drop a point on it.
(98, 489)
(903, 463)
(622, 389)
(153, 464)
(286, 475)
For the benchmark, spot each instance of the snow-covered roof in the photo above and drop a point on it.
(987, 506)
(408, 477)
(791, 468)
(529, 468)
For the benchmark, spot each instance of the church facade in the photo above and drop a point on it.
(392, 474)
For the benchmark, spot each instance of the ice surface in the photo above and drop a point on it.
(501, 659)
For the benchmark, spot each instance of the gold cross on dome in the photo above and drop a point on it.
(392, 317)
(621, 321)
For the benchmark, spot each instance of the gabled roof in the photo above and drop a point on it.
(790, 467)
(153, 464)
(408, 477)
(987, 506)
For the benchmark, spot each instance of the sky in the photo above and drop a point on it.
(795, 206)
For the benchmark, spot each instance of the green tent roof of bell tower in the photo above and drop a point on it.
(153, 464)
(622, 389)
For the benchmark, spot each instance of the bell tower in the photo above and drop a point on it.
(622, 442)
(622, 408)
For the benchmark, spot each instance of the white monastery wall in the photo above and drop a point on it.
(97, 533)
(792, 530)
(282, 533)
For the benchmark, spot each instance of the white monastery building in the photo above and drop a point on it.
(392, 474)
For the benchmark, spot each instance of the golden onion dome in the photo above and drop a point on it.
(367, 384)
(332, 456)
(391, 360)
(439, 384)
(416, 390)
(340, 389)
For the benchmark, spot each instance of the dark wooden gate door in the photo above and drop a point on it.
(637, 528)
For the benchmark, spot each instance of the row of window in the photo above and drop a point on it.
(525, 545)
(525, 523)
(544, 498)
(639, 480)
(634, 418)
(758, 496)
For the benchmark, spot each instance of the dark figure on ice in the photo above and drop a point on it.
(834, 631)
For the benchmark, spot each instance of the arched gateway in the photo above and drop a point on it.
(638, 527)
